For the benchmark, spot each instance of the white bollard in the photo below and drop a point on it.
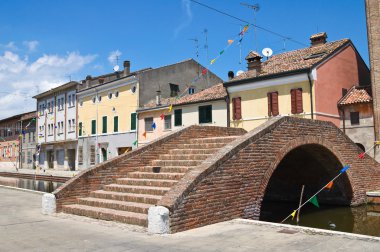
(48, 204)
(158, 220)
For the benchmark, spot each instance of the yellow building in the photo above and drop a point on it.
(305, 83)
(106, 119)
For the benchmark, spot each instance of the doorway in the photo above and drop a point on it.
(50, 158)
(104, 154)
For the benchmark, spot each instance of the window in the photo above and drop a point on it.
(273, 104)
(174, 90)
(93, 99)
(80, 155)
(117, 94)
(296, 100)
(116, 124)
(236, 108)
(99, 98)
(168, 122)
(34, 136)
(69, 100)
(354, 116)
(178, 117)
(148, 124)
(81, 103)
(93, 127)
(29, 137)
(48, 107)
(191, 90)
(205, 114)
(62, 103)
(109, 95)
(133, 121)
(92, 155)
(80, 130)
(59, 104)
(70, 125)
(73, 100)
(104, 130)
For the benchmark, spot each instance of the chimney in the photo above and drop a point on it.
(88, 81)
(254, 62)
(127, 67)
(230, 75)
(158, 98)
(318, 39)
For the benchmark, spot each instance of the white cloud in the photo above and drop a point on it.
(31, 45)
(21, 79)
(113, 55)
(189, 17)
(10, 46)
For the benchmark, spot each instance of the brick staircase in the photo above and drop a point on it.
(129, 197)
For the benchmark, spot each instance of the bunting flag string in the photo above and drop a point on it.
(330, 185)
(315, 201)
(362, 155)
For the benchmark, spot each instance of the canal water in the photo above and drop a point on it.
(36, 185)
(363, 219)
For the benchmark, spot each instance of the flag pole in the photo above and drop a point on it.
(298, 212)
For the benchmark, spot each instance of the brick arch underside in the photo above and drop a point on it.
(236, 188)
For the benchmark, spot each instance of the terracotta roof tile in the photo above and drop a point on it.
(355, 95)
(294, 60)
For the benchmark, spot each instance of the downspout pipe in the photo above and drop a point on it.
(311, 95)
(228, 108)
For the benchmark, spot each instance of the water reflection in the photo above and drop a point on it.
(37, 185)
(363, 219)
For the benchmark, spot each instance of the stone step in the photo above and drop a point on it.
(115, 204)
(166, 169)
(200, 146)
(224, 139)
(134, 197)
(154, 175)
(161, 163)
(107, 214)
(146, 182)
(184, 156)
(137, 189)
(193, 151)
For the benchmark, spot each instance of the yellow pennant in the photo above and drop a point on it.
(377, 142)
(293, 214)
(212, 61)
(245, 28)
(230, 41)
(170, 108)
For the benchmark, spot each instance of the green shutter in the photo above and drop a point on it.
(80, 129)
(178, 117)
(133, 121)
(116, 124)
(93, 127)
(104, 125)
(205, 114)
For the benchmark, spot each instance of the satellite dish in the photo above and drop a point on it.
(116, 68)
(267, 52)
(239, 72)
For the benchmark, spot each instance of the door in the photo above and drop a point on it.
(104, 154)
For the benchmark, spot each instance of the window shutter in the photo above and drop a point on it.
(236, 102)
(133, 121)
(269, 104)
(104, 124)
(293, 100)
(274, 102)
(299, 100)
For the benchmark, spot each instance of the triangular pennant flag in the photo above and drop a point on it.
(212, 61)
(230, 41)
(144, 134)
(377, 142)
(170, 108)
(361, 156)
(34, 119)
(314, 201)
(245, 28)
(345, 168)
(162, 116)
(329, 185)
(240, 40)
(221, 52)
(154, 125)
(293, 214)
(135, 143)
(204, 71)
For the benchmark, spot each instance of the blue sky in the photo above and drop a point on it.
(44, 43)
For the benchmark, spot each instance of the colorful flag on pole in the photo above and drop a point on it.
(314, 201)
(293, 214)
(345, 168)
(162, 116)
(170, 108)
(329, 185)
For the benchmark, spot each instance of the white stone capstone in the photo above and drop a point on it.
(48, 204)
(158, 220)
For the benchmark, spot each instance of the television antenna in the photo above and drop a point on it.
(196, 46)
(116, 67)
(255, 8)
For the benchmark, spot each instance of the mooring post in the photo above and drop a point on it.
(299, 206)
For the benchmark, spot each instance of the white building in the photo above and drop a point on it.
(56, 127)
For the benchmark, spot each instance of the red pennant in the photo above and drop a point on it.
(361, 156)
(204, 71)
(162, 116)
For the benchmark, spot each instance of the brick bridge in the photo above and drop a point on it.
(205, 175)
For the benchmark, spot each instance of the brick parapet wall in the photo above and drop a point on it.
(107, 172)
(232, 183)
